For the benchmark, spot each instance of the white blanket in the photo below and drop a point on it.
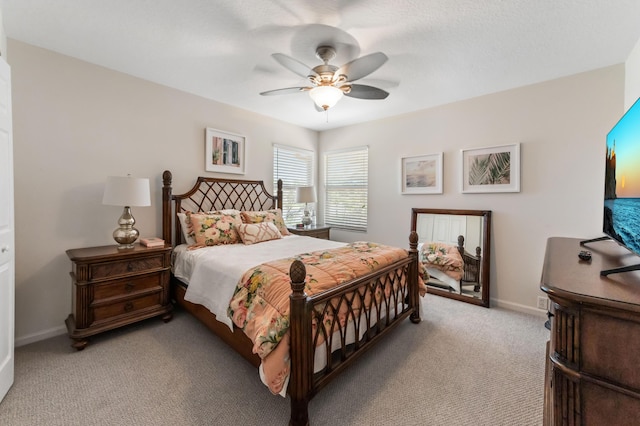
(212, 273)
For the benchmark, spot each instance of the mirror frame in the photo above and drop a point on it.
(486, 253)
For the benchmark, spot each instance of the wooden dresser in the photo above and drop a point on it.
(593, 366)
(112, 288)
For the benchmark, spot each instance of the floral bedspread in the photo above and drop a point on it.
(444, 257)
(260, 304)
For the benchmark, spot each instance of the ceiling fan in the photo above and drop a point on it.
(328, 83)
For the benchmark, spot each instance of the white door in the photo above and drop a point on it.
(7, 246)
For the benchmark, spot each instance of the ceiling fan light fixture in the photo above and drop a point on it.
(326, 97)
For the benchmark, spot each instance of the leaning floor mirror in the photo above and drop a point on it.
(454, 247)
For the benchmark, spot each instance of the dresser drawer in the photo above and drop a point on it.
(124, 267)
(609, 348)
(104, 312)
(126, 287)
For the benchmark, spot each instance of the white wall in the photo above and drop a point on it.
(632, 77)
(75, 124)
(3, 37)
(561, 126)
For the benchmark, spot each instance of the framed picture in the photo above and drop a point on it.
(224, 152)
(493, 169)
(422, 174)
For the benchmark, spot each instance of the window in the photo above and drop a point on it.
(346, 189)
(296, 168)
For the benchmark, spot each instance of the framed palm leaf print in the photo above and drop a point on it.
(492, 169)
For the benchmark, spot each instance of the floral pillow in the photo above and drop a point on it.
(210, 229)
(252, 233)
(185, 225)
(274, 215)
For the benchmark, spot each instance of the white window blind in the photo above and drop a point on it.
(295, 167)
(346, 189)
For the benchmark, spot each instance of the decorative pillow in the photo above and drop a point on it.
(274, 215)
(210, 229)
(252, 233)
(185, 225)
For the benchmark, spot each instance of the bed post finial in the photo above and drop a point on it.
(413, 240)
(298, 274)
(300, 340)
(166, 178)
(166, 206)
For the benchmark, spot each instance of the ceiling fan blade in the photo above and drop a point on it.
(362, 91)
(285, 91)
(363, 66)
(293, 65)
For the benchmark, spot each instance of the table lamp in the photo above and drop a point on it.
(126, 191)
(306, 195)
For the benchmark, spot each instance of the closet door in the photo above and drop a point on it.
(446, 228)
(7, 246)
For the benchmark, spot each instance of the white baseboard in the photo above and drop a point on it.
(36, 337)
(519, 308)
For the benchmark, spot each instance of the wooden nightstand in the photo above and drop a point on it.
(112, 288)
(317, 231)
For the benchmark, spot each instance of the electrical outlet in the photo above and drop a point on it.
(543, 303)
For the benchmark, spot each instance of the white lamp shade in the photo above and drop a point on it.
(306, 194)
(325, 97)
(126, 191)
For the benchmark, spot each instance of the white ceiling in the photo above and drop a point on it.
(439, 51)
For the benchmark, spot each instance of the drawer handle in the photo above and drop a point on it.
(128, 307)
(128, 287)
(129, 267)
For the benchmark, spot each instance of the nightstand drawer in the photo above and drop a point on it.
(318, 233)
(124, 267)
(315, 231)
(126, 287)
(109, 311)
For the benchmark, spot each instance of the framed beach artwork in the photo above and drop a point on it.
(422, 174)
(492, 169)
(224, 152)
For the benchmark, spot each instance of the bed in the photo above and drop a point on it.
(328, 329)
(451, 267)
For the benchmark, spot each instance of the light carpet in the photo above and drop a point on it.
(462, 365)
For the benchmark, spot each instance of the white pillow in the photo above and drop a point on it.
(182, 217)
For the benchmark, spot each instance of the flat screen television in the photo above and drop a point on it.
(621, 220)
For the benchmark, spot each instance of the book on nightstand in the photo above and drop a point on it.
(152, 242)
